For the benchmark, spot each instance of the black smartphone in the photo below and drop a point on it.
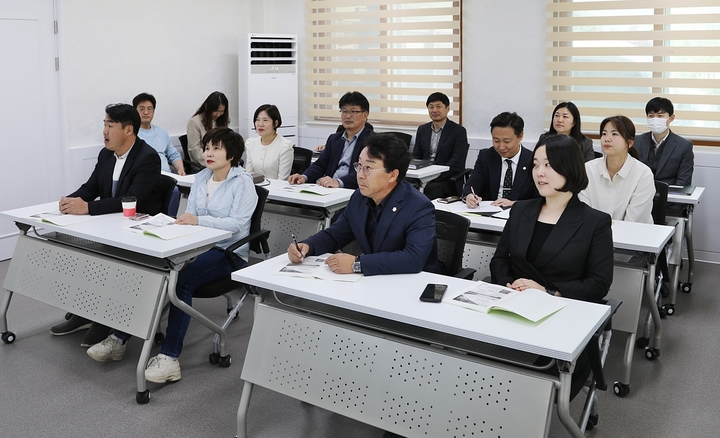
(433, 293)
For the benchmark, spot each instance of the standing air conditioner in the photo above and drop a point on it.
(267, 73)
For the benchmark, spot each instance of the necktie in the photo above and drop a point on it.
(651, 157)
(507, 182)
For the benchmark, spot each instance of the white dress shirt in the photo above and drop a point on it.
(515, 161)
(274, 160)
(628, 196)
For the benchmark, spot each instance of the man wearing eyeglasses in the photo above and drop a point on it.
(393, 223)
(334, 166)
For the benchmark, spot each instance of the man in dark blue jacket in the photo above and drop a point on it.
(393, 223)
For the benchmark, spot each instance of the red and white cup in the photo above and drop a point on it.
(129, 206)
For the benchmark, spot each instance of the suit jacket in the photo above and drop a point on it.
(452, 147)
(140, 177)
(485, 177)
(405, 241)
(328, 161)
(676, 162)
(576, 259)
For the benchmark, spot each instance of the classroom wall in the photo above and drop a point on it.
(181, 50)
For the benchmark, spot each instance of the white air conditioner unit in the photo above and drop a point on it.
(267, 73)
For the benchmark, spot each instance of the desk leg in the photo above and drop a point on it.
(202, 319)
(143, 394)
(563, 399)
(243, 410)
(690, 250)
(654, 351)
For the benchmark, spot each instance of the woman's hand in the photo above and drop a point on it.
(523, 283)
(187, 219)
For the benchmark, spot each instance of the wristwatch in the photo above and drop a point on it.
(356, 265)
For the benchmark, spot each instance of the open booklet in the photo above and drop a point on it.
(60, 219)
(483, 208)
(162, 226)
(315, 267)
(312, 189)
(531, 304)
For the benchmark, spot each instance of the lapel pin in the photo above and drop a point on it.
(524, 168)
(394, 209)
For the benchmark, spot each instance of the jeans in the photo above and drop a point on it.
(208, 267)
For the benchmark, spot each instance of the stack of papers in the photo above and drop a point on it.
(315, 267)
(313, 189)
(60, 219)
(484, 208)
(162, 226)
(531, 304)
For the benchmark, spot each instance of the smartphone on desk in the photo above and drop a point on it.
(433, 293)
(449, 199)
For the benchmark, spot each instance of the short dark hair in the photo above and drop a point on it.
(438, 97)
(123, 114)
(355, 98)
(566, 158)
(209, 106)
(659, 105)
(393, 152)
(231, 141)
(272, 111)
(626, 128)
(507, 119)
(142, 97)
(575, 130)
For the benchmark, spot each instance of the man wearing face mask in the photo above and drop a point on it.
(669, 156)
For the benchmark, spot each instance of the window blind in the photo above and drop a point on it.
(610, 57)
(394, 52)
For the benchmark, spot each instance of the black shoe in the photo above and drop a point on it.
(73, 324)
(391, 435)
(95, 335)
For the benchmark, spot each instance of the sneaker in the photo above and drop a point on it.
(73, 324)
(162, 369)
(110, 348)
(95, 335)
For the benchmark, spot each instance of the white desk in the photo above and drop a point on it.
(630, 284)
(108, 275)
(288, 350)
(427, 173)
(690, 201)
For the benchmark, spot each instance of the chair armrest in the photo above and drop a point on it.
(594, 347)
(261, 235)
(460, 174)
(466, 273)
(191, 167)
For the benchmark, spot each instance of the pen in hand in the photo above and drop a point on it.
(302, 257)
(473, 193)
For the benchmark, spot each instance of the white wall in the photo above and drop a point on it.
(182, 50)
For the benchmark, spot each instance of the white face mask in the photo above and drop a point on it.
(657, 125)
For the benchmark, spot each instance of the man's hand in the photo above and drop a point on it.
(327, 181)
(73, 206)
(341, 263)
(472, 200)
(296, 178)
(320, 147)
(504, 203)
(296, 256)
(187, 219)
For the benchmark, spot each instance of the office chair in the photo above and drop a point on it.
(598, 154)
(452, 230)
(167, 186)
(258, 240)
(459, 180)
(403, 137)
(301, 159)
(190, 166)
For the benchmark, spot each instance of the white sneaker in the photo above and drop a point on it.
(162, 369)
(110, 348)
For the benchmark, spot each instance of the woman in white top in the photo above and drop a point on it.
(211, 114)
(270, 154)
(620, 184)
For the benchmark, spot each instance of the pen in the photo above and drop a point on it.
(473, 192)
(296, 245)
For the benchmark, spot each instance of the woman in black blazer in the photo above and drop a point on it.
(557, 243)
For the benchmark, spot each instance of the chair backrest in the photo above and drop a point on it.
(184, 144)
(167, 186)
(402, 136)
(452, 230)
(255, 224)
(660, 202)
(301, 159)
(597, 154)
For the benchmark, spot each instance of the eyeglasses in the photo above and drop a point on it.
(146, 108)
(352, 113)
(365, 169)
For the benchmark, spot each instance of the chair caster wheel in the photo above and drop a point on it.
(225, 361)
(669, 309)
(214, 358)
(621, 389)
(686, 287)
(652, 353)
(8, 337)
(142, 397)
(642, 342)
(159, 338)
(592, 422)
